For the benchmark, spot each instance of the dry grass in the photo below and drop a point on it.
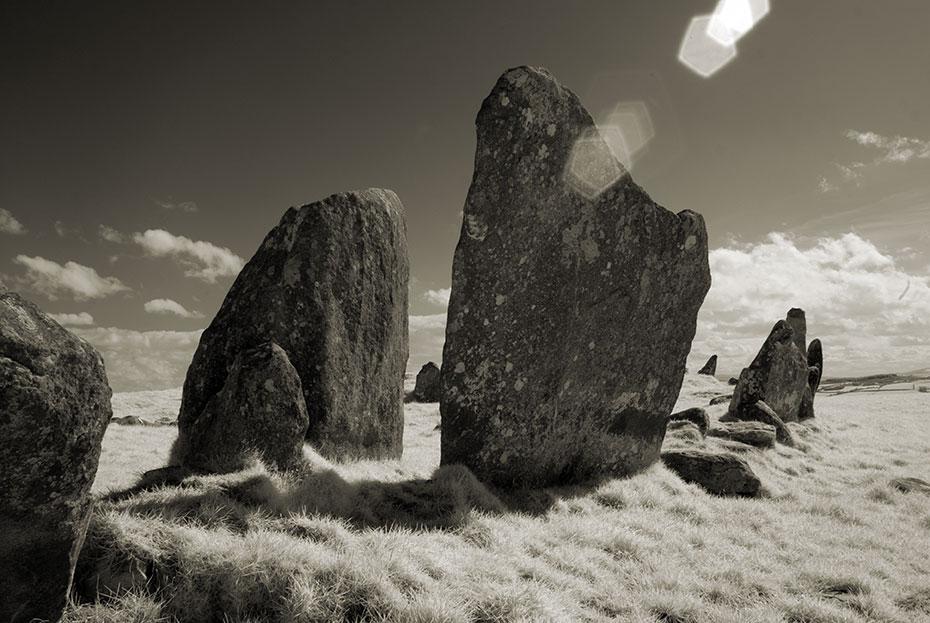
(396, 541)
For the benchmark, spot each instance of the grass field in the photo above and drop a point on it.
(401, 541)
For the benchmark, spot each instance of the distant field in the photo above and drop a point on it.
(381, 541)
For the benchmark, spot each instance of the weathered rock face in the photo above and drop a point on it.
(260, 411)
(694, 414)
(571, 314)
(751, 433)
(428, 387)
(329, 286)
(710, 368)
(777, 375)
(720, 473)
(54, 409)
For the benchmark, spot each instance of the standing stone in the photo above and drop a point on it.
(777, 375)
(798, 321)
(329, 286)
(427, 388)
(260, 411)
(815, 364)
(572, 313)
(54, 409)
(710, 368)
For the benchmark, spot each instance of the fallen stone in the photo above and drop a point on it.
(910, 485)
(718, 473)
(259, 412)
(428, 388)
(566, 277)
(722, 398)
(128, 420)
(329, 286)
(710, 367)
(761, 412)
(55, 407)
(777, 375)
(683, 431)
(694, 414)
(752, 433)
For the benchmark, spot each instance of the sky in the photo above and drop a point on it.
(147, 148)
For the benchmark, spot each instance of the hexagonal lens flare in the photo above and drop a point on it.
(734, 18)
(701, 52)
(627, 129)
(592, 166)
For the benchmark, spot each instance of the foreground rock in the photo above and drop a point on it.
(710, 367)
(259, 412)
(751, 433)
(761, 412)
(566, 278)
(54, 409)
(719, 473)
(329, 286)
(694, 414)
(428, 387)
(777, 375)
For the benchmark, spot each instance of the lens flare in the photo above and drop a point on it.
(592, 166)
(701, 52)
(627, 129)
(734, 18)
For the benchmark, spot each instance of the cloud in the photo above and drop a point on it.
(183, 206)
(200, 259)
(426, 323)
(141, 360)
(894, 149)
(825, 186)
(111, 235)
(438, 297)
(9, 224)
(82, 319)
(167, 306)
(52, 279)
(427, 335)
(850, 289)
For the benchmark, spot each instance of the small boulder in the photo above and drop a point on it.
(722, 398)
(719, 473)
(128, 420)
(694, 414)
(682, 431)
(54, 409)
(752, 433)
(761, 412)
(427, 388)
(710, 367)
(732, 381)
(909, 484)
(259, 412)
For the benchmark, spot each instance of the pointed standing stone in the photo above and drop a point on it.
(329, 286)
(427, 388)
(574, 299)
(798, 321)
(710, 368)
(54, 409)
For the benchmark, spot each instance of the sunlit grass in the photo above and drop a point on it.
(399, 541)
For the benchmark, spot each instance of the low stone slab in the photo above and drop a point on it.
(718, 473)
(752, 433)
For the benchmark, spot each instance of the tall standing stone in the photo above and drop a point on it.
(329, 286)
(710, 368)
(777, 376)
(427, 388)
(572, 312)
(54, 409)
(814, 364)
(798, 321)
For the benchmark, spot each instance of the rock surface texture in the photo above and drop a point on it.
(751, 433)
(428, 387)
(54, 409)
(778, 375)
(329, 286)
(259, 412)
(720, 473)
(571, 312)
(694, 414)
(710, 368)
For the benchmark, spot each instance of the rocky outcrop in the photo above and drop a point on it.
(329, 286)
(777, 375)
(751, 433)
(54, 409)
(694, 414)
(428, 387)
(719, 473)
(259, 412)
(710, 368)
(566, 278)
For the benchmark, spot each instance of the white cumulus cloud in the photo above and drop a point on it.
(438, 297)
(53, 279)
(200, 259)
(850, 289)
(82, 319)
(9, 224)
(168, 306)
